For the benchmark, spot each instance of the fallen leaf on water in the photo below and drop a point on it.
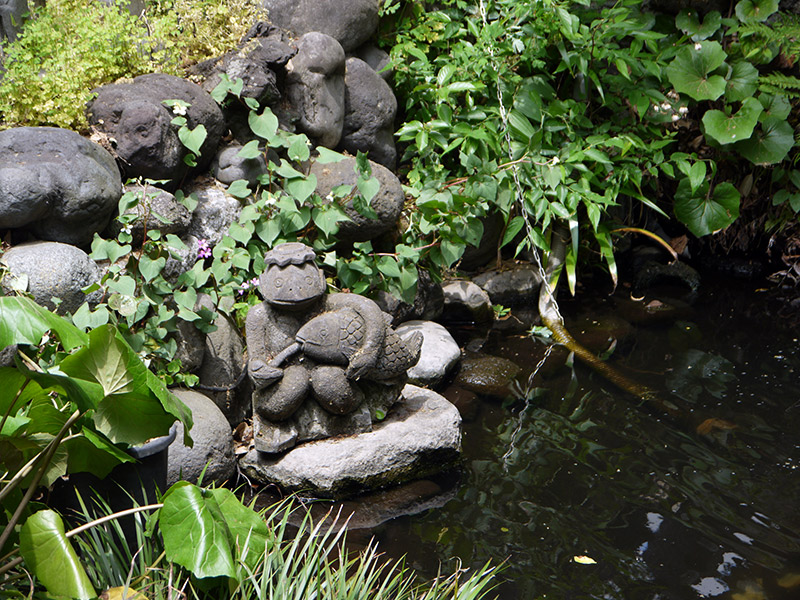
(713, 424)
(584, 560)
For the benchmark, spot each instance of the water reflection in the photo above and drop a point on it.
(662, 512)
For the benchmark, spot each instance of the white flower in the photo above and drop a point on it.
(179, 109)
(329, 198)
(270, 200)
(556, 160)
(698, 45)
(665, 106)
(683, 110)
(656, 108)
(675, 118)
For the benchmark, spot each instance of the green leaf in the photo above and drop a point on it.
(12, 382)
(131, 418)
(451, 251)
(239, 233)
(327, 218)
(688, 21)
(264, 125)
(22, 321)
(249, 150)
(193, 138)
(150, 268)
(769, 144)
(774, 106)
(108, 249)
(327, 156)
(48, 553)
(388, 266)
(239, 189)
(196, 535)
(749, 11)
(697, 175)
(250, 534)
(85, 318)
(298, 148)
(690, 70)
(742, 82)
(705, 213)
(301, 188)
(368, 188)
(726, 129)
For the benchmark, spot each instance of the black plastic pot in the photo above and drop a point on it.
(128, 484)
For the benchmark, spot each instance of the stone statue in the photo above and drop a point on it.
(321, 364)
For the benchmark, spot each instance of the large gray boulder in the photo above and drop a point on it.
(315, 88)
(439, 356)
(465, 301)
(350, 22)
(369, 111)
(56, 183)
(135, 117)
(387, 203)
(51, 269)
(213, 444)
(214, 213)
(228, 166)
(516, 286)
(421, 436)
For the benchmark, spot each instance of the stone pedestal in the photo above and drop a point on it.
(420, 436)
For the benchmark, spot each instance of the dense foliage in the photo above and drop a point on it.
(70, 47)
(559, 110)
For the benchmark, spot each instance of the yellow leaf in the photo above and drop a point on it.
(584, 560)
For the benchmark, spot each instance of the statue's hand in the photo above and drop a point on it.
(263, 374)
(359, 365)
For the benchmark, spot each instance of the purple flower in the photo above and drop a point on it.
(203, 249)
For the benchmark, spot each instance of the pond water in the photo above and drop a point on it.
(581, 491)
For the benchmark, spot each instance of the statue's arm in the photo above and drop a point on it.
(374, 334)
(258, 368)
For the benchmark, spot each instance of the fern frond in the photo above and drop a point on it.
(779, 83)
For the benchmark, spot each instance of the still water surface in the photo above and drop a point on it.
(583, 492)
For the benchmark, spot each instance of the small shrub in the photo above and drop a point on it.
(73, 46)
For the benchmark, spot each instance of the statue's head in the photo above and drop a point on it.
(291, 279)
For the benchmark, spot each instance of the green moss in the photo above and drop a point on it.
(73, 46)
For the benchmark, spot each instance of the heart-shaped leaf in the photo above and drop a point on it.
(727, 129)
(705, 213)
(301, 188)
(249, 150)
(690, 70)
(688, 21)
(769, 144)
(742, 81)
(749, 11)
(193, 138)
(264, 125)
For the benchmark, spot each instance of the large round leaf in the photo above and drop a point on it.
(690, 70)
(749, 11)
(742, 81)
(770, 144)
(196, 535)
(49, 555)
(705, 213)
(727, 129)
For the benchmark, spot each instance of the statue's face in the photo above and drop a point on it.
(292, 285)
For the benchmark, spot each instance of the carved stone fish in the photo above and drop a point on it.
(335, 337)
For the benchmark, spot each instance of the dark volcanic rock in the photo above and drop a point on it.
(135, 117)
(56, 183)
